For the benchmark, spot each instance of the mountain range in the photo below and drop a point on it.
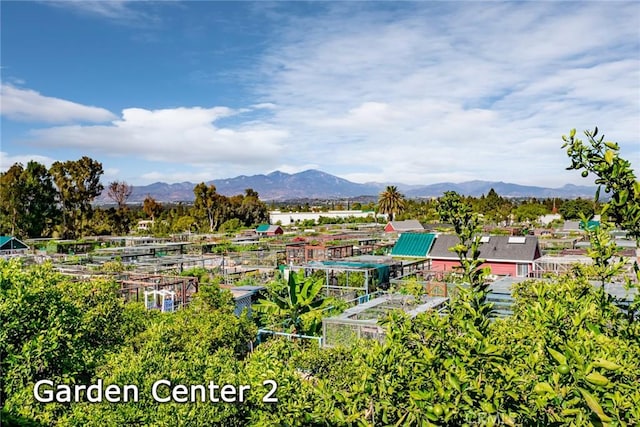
(315, 184)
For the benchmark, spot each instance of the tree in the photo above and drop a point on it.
(78, 184)
(576, 208)
(494, 207)
(391, 202)
(530, 212)
(601, 158)
(151, 207)
(119, 192)
(209, 204)
(472, 301)
(29, 199)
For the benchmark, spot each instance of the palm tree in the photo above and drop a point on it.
(391, 202)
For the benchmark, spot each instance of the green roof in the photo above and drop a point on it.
(9, 243)
(263, 228)
(413, 245)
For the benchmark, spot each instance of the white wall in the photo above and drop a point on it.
(288, 218)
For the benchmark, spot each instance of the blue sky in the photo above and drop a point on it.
(411, 92)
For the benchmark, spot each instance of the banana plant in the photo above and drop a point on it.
(298, 310)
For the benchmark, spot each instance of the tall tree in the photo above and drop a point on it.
(151, 207)
(391, 202)
(209, 204)
(575, 209)
(119, 192)
(494, 207)
(78, 183)
(29, 201)
(11, 193)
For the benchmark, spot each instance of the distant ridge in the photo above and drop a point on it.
(315, 184)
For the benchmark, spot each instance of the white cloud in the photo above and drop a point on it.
(6, 160)
(118, 11)
(29, 105)
(173, 176)
(179, 135)
(411, 95)
(111, 174)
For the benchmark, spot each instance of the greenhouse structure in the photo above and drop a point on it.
(361, 321)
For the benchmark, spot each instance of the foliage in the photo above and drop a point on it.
(298, 309)
(29, 201)
(54, 329)
(577, 208)
(119, 192)
(78, 184)
(530, 212)
(151, 207)
(231, 225)
(602, 159)
(208, 204)
(493, 207)
(391, 202)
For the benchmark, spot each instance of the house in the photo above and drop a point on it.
(413, 245)
(145, 225)
(403, 226)
(269, 230)
(505, 255)
(9, 245)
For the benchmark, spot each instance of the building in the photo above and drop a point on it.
(291, 218)
(269, 230)
(413, 245)
(505, 255)
(9, 245)
(403, 226)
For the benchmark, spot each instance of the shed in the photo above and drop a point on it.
(415, 245)
(269, 230)
(9, 245)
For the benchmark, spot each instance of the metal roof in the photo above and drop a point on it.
(263, 228)
(497, 248)
(413, 245)
(406, 225)
(11, 243)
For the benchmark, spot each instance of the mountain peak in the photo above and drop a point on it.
(316, 184)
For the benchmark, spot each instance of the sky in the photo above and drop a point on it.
(370, 91)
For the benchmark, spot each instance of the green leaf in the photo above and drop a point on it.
(559, 357)
(610, 366)
(542, 388)
(597, 379)
(608, 157)
(594, 405)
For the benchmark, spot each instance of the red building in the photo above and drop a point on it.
(505, 255)
(269, 230)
